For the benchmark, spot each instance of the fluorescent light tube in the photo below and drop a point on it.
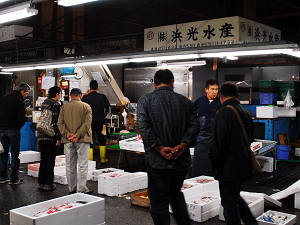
(161, 58)
(183, 64)
(18, 14)
(68, 76)
(54, 66)
(3, 1)
(18, 69)
(246, 53)
(113, 61)
(67, 3)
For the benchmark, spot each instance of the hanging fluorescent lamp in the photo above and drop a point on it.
(182, 64)
(68, 76)
(161, 58)
(3, 1)
(17, 12)
(54, 66)
(107, 62)
(67, 3)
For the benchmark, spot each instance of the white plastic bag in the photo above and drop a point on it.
(1, 148)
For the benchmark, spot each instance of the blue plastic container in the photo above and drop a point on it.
(283, 152)
(268, 98)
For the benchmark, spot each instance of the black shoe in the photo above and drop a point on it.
(49, 187)
(3, 181)
(14, 181)
(41, 187)
(88, 191)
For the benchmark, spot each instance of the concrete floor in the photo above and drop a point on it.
(118, 210)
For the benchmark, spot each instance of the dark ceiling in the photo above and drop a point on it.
(112, 26)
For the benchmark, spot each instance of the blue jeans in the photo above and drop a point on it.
(46, 171)
(235, 207)
(10, 137)
(164, 188)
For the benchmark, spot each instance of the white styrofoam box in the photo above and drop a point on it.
(283, 112)
(291, 219)
(89, 175)
(204, 216)
(191, 191)
(29, 156)
(59, 169)
(97, 172)
(266, 163)
(112, 179)
(212, 185)
(32, 173)
(205, 207)
(34, 167)
(256, 206)
(92, 165)
(267, 199)
(297, 151)
(280, 102)
(256, 145)
(297, 200)
(244, 102)
(133, 144)
(60, 158)
(267, 112)
(60, 178)
(285, 193)
(92, 212)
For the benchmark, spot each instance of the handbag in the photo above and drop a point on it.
(44, 124)
(255, 166)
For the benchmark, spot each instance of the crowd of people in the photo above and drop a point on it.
(169, 124)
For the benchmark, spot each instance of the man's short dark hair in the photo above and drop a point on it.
(229, 90)
(23, 87)
(163, 77)
(53, 91)
(93, 85)
(211, 82)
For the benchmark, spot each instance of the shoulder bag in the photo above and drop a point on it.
(44, 124)
(255, 166)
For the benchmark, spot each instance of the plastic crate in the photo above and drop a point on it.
(267, 83)
(268, 98)
(269, 89)
(288, 85)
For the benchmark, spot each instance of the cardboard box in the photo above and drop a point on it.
(267, 112)
(91, 213)
(256, 206)
(203, 207)
(291, 219)
(266, 163)
(140, 199)
(29, 156)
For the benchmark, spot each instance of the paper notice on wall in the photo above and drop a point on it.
(98, 77)
(48, 82)
(85, 82)
(73, 84)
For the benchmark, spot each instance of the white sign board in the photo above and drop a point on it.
(48, 82)
(216, 32)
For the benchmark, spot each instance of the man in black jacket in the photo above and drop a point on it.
(169, 125)
(100, 107)
(229, 156)
(12, 118)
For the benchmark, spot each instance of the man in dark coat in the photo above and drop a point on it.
(229, 156)
(12, 118)
(169, 125)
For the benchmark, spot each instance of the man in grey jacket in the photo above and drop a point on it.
(169, 125)
(74, 124)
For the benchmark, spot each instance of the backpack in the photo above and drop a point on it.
(44, 124)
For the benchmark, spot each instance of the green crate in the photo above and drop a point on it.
(267, 83)
(288, 85)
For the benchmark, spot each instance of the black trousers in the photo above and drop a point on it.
(235, 207)
(164, 188)
(97, 127)
(46, 170)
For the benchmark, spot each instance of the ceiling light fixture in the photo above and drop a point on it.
(67, 3)
(182, 64)
(54, 66)
(17, 12)
(161, 58)
(3, 1)
(68, 76)
(107, 62)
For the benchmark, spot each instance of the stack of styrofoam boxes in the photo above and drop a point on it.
(267, 112)
(92, 211)
(284, 218)
(112, 184)
(266, 163)
(132, 144)
(96, 173)
(29, 156)
(33, 169)
(201, 212)
(139, 181)
(255, 203)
